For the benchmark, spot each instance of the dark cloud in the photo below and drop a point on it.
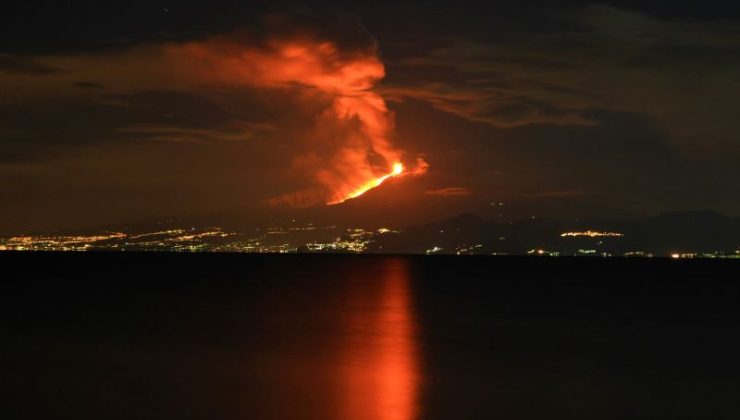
(58, 125)
(12, 64)
(449, 191)
(606, 59)
(88, 85)
(555, 194)
(232, 132)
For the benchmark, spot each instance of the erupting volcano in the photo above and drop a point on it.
(351, 141)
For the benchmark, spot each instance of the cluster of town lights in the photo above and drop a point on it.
(591, 234)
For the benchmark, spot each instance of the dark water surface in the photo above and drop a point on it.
(175, 336)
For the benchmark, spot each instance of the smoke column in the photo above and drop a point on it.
(357, 121)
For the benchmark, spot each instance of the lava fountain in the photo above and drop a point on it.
(397, 171)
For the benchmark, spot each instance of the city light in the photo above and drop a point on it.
(591, 234)
(292, 237)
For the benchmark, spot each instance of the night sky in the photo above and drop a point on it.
(112, 113)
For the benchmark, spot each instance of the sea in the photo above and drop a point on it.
(240, 336)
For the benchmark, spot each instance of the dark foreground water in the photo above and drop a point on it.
(165, 336)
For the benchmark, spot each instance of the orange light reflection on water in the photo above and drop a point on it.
(381, 377)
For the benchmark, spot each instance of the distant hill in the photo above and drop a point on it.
(670, 232)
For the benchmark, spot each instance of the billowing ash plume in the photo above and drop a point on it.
(357, 122)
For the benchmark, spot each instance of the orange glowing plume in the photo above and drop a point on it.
(353, 138)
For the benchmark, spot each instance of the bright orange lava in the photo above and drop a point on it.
(397, 170)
